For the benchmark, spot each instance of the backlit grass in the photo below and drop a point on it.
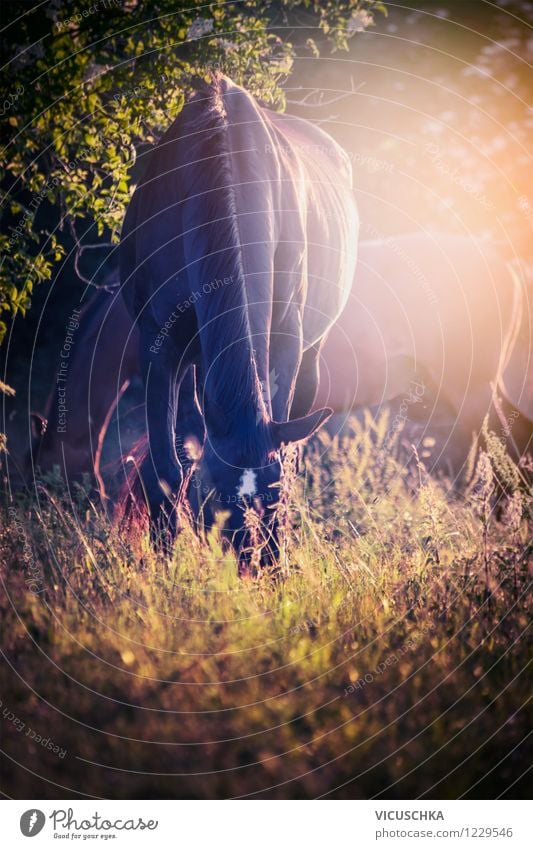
(390, 657)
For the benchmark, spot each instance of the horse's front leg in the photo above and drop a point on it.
(190, 425)
(161, 472)
(306, 383)
(298, 397)
(284, 363)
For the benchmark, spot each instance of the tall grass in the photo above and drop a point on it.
(388, 658)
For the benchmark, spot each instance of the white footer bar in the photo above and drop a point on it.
(266, 824)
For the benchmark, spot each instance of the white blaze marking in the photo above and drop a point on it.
(248, 484)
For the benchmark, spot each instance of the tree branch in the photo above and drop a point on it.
(80, 249)
(319, 94)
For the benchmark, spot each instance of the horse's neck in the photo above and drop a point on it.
(222, 256)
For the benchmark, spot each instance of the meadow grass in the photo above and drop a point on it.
(388, 658)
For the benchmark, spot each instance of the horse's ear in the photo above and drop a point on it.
(296, 430)
(38, 425)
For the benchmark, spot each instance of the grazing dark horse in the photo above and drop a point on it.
(238, 253)
(414, 312)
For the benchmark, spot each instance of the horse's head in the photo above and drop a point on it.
(237, 475)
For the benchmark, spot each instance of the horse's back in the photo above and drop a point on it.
(331, 221)
(295, 210)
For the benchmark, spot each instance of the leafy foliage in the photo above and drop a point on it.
(89, 86)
